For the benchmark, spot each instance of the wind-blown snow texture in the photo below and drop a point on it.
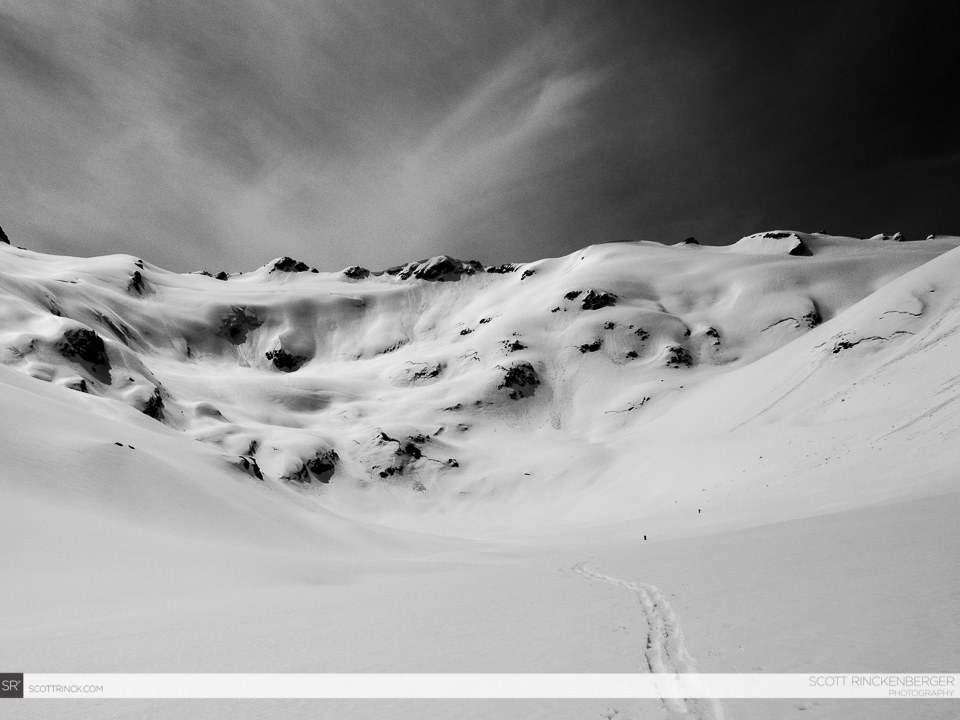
(627, 390)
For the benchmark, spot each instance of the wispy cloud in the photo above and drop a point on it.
(250, 129)
(497, 144)
(232, 131)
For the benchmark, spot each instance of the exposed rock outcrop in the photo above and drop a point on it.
(417, 373)
(678, 357)
(442, 268)
(153, 407)
(282, 360)
(249, 465)
(235, 326)
(596, 299)
(78, 384)
(288, 264)
(388, 457)
(85, 347)
(811, 319)
(520, 380)
(355, 272)
(136, 283)
(323, 466)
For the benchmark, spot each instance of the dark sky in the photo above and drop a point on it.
(223, 133)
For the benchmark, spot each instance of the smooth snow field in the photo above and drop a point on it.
(634, 458)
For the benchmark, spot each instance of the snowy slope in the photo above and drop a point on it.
(440, 384)
(391, 379)
(287, 440)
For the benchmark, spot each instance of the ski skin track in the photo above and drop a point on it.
(664, 651)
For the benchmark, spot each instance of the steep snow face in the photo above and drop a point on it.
(516, 394)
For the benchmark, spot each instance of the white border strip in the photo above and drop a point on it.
(489, 685)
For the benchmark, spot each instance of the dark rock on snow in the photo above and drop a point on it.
(249, 465)
(521, 380)
(323, 465)
(154, 405)
(799, 247)
(678, 357)
(86, 347)
(288, 264)
(84, 344)
(235, 326)
(812, 318)
(136, 283)
(596, 299)
(282, 360)
(78, 385)
(356, 272)
(426, 372)
(439, 269)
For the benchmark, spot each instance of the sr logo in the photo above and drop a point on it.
(11, 685)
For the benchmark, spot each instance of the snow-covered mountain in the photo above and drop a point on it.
(291, 422)
(632, 364)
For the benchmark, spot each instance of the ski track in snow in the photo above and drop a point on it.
(664, 651)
